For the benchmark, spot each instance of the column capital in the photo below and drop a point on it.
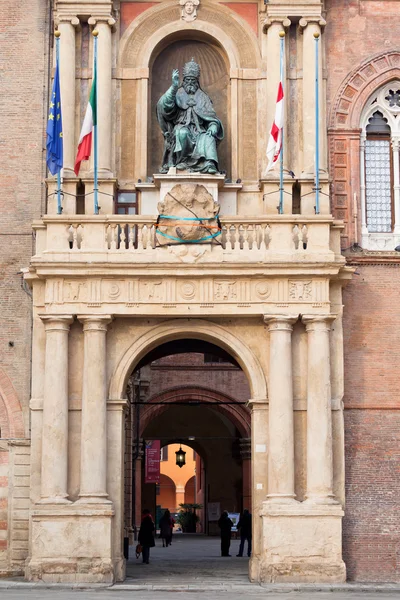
(395, 143)
(71, 19)
(284, 22)
(95, 322)
(96, 19)
(258, 403)
(318, 322)
(280, 322)
(57, 322)
(317, 19)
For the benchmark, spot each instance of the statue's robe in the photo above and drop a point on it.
(184, 119)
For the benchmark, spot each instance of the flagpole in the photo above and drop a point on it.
(59, 208)
(95, 141)
(316, 37)
(282, 42)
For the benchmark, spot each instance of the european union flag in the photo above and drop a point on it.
(54, 157)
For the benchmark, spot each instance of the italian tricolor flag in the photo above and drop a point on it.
(90, 121)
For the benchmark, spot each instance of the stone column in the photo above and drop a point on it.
(311, 27)
(364, 228)
(94, 410)
(396, 184)
(55, 410)
(281, 432)
(245, 454)
(105, 107)
(66, 26)
(319, 408)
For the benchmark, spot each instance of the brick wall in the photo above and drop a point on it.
(23, 28)
(372, 424)
(23, 80)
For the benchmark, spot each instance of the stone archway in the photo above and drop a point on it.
(193, 329)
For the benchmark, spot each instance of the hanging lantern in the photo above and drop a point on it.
(180, 457)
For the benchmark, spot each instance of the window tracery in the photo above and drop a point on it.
(380, 180)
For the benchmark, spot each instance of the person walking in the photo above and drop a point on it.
(244, 526)
(225, 524)
(166, 524)
(146, 535)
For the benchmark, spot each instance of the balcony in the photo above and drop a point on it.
(133, 240)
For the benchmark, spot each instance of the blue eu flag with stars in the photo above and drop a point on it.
(54, 157)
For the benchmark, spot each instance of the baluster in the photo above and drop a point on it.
(233, 236)
(131, 236)
(122, 237)
(296, 236)
(251, 237)
(223, 237)
(245, 236)
(261, 237)
(268, 235)
(145, 236)
(80, 238)
(107, 236)
(304, 237)
(113, 244)
(140, 237)
(75, 237)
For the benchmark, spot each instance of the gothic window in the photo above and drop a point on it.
(380, 201)
(378, 175)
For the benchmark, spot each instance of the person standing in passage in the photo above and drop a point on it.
(244, 526)
(225, 524)
(146, 535)
(166, 525)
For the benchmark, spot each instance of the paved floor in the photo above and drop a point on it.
(191, 569)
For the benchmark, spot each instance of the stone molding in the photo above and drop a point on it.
(270, 20)
(197, 328)
(245, 293)
(155, 24)
(359, 85)
(304, 21)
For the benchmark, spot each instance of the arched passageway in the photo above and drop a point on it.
(193, 393)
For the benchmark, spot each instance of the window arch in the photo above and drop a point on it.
(380, 181)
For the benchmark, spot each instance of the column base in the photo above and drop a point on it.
(72, 543)
(301, 543)
(93, 499)
(281, 499)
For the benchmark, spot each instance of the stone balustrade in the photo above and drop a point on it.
(264, 238)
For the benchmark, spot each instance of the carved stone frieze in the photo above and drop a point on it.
(172, 291)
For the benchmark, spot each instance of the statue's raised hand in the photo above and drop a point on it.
(175, 78)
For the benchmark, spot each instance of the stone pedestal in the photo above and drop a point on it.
(71, 544)
(301, 544)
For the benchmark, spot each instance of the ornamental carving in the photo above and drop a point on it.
(188, 214)
(189, 10)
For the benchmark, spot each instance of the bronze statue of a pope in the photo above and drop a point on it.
(189, 124)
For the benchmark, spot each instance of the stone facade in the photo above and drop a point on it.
(105, 294)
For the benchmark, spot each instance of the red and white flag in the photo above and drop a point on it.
(275, 137)
(90, 121)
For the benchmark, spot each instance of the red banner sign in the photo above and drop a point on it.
(152, 461)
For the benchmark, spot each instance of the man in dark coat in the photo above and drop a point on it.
(225, 524)
(244, 526)
(146, 535)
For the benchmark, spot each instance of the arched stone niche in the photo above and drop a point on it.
(220, 36)
(214, 80)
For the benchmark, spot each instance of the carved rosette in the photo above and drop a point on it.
(188, 215)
